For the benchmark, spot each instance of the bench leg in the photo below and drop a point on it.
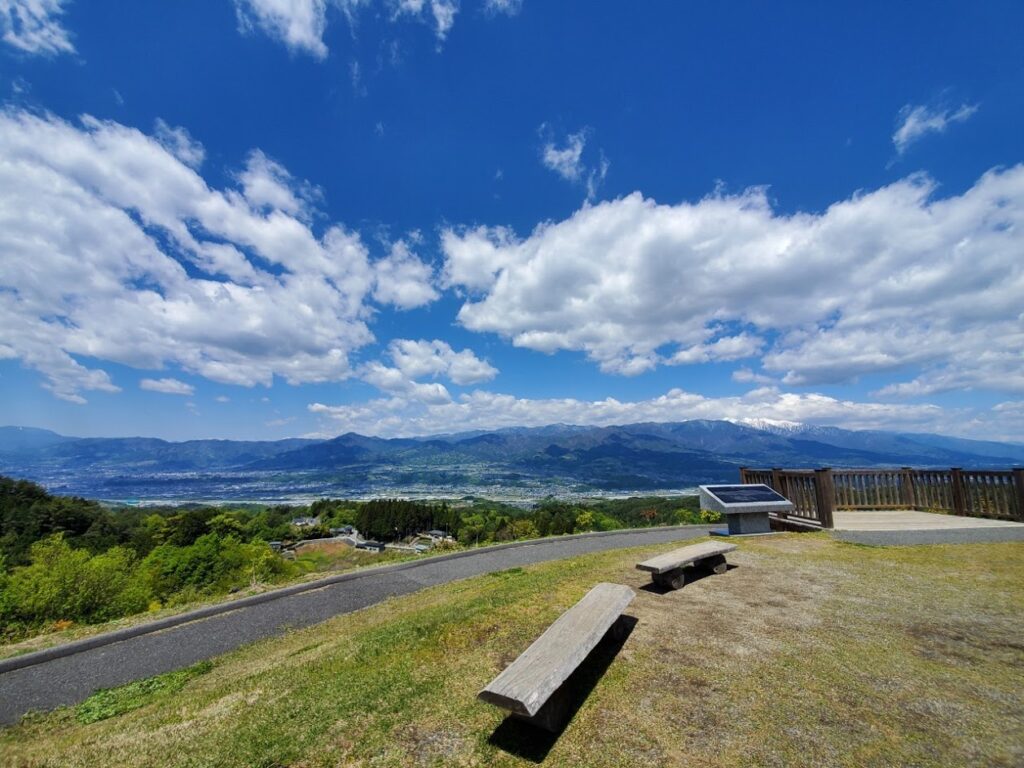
(670, 579)
(717, 564)
(552, 716)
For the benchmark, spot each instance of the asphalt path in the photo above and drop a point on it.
(936, 536)
(69, 674)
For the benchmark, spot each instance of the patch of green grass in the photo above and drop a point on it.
(111, 702)
(506, 573)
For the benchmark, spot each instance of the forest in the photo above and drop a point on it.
(66, 560)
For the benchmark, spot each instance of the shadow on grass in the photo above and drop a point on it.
(692, 575)
(529, 742)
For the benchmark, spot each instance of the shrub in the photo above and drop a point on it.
(710, 516)
(209, 566)
(62, 583)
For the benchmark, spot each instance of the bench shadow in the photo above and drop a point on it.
(529, 742)
(698, 575)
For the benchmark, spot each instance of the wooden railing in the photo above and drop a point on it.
(816, 493)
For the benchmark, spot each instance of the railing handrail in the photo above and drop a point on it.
(995, 493)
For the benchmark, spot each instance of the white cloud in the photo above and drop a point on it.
(507, 7)
(440, 12)
(417, 359)
(33, 26)
(97, 223)
(167, 386)
(268, 186)
(222, 399)
(407, 416)
(475, 256)
(915, 122)
(402, 279)
(179, 142)
(396, 382)
(747, 376)
(887, 281)
(726, 348)
(412, 360)
(299, 24)
(566, 159)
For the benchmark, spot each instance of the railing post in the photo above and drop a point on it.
(1018, 483)
(777, 480)
(824, 495)
(909, 497)
(956, 489)
(743, 475)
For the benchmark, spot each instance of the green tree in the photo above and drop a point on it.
(585, 520)
(65, 583)
(224, 525)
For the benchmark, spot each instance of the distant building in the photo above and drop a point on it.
(375, 546)
(437, 536)
(305, 522)
(345, 530)
(275, 545)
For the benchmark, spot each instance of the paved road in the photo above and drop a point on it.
(72, 678)
(939, 536)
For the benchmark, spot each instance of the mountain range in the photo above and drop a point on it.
(526, 462)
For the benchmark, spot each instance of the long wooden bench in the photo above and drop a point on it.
(527, 685)
(670, 570)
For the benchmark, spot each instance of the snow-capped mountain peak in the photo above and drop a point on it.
(775, 426)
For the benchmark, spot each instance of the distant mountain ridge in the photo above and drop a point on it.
(634, 457)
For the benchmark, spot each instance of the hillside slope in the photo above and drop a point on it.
(780, 661)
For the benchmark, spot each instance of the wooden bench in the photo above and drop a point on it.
(669, 570)
(526, 686)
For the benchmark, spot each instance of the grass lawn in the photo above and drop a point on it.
(809, 652)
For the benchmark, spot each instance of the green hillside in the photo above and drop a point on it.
(810, 652)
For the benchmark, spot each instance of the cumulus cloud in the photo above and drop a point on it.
(916, 122)
(394, 381)
(412, 360)
(566, 159)
(402, 279)
(417, 359)
(890, 280)
(267, 186)
(475, 256)
(167, 386)
(406, 416)
(116, 249)
(33, 26)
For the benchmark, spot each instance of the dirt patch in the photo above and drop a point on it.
(326, 547)
(432, 747)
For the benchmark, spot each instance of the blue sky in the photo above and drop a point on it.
(265, 218)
